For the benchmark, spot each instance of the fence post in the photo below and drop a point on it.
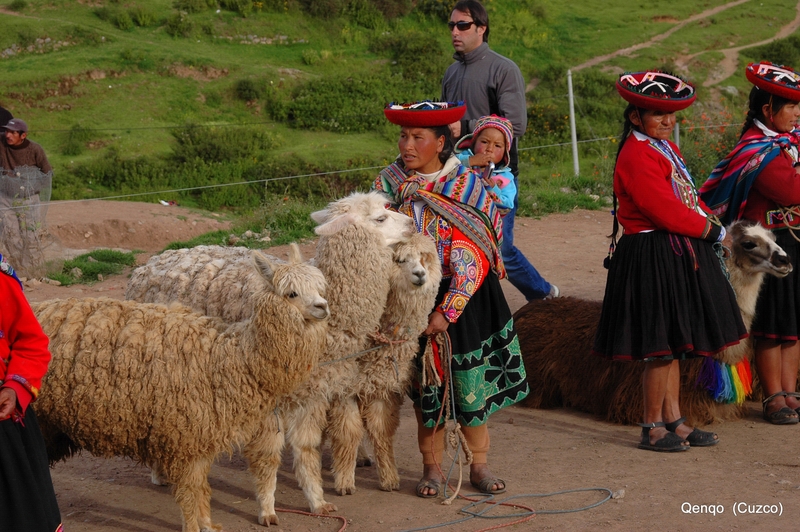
(573, 133)
(677, 134)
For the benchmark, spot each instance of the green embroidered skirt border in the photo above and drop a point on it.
(487, 369)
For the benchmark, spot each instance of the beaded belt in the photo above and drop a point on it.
(781, 218)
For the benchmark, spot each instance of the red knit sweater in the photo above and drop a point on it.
(646, 201)
(23, 345)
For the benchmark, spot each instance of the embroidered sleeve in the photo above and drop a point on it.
(468, 266)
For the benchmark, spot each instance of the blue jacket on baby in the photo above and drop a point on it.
(504, 188)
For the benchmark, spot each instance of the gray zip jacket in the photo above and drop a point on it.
(489, 84)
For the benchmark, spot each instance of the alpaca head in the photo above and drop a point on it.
(754, 250)
(299, 283)
(368, 210)
(418, 261)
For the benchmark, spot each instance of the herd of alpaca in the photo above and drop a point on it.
(556, 338)
(382, 278)
(217, 348)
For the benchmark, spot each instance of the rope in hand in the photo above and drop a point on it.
(793, 211)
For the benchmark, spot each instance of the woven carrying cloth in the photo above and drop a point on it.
(725, 191)
(460, 197)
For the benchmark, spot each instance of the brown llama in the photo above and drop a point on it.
(556, 338)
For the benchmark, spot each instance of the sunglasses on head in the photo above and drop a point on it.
(462, 25)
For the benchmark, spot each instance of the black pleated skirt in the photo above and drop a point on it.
(667, 297)
(778, 306)
(27, 498)
(486, 368)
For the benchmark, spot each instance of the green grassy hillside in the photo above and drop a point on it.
(136, 96)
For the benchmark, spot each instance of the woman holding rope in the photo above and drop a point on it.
(759, 181)
(667, 297)
(484, 372)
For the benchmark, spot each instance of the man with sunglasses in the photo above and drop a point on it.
(491, 84)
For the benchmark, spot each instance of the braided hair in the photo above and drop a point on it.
(756, 102)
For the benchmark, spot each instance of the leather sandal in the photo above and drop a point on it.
(485, 485)
(670, 443)
(431, 484)
(784, 416)
(697, 438)
(796, 396)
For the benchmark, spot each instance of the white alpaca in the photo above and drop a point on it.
(172, 388)
(384, 375)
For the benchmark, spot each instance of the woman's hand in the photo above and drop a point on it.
(8, 402)
(437, 323)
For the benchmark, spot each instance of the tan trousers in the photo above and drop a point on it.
(431, 444)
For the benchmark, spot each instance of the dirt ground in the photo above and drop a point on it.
(739, 484)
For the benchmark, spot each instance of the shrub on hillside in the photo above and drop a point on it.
(323, 8)
(393, 9)
(194, 6)
(416, 55)
(363, 13)
(438, 9)
(247, 90)
(242, 7)
(75, 140)
(179, 25)
(220, 144)
(17, 5)
(346, 104)
(782, 52)
(142, 17)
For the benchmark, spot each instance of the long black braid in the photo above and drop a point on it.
(627, 128)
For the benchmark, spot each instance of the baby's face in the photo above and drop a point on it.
(490, 141)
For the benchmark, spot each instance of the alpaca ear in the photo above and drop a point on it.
(295, 257)
(320, 217)
(264, 266)
(335, 225)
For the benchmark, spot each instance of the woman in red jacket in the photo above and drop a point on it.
(667, 297)
(27, 499)
(759, 181)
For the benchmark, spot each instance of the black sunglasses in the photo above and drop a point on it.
(462, 25)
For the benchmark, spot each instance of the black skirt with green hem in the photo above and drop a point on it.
(487, 369)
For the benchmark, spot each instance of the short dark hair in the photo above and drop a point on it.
(477, 12)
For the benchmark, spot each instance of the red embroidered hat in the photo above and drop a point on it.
(775, 79)
(656, 91)
(425, 114)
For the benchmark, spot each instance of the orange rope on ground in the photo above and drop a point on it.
(301, 512)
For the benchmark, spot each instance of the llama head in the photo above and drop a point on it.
(754, 250)
(418, 261)
(299, 283)
(368, 210)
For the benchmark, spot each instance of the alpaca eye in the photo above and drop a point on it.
(381, 219)
(749, 246)
(292, 295)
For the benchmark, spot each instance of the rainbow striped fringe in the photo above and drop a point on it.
(725, 383)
